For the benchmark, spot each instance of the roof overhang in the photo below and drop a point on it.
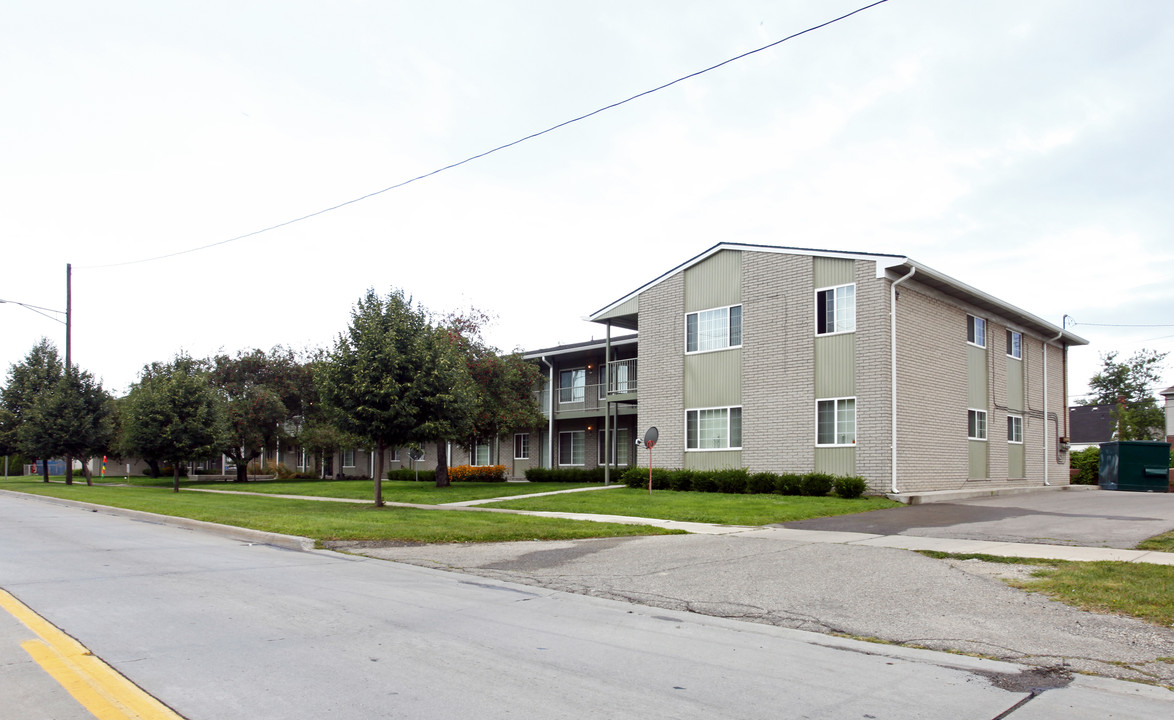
(579, 347)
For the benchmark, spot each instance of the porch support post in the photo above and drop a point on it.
(607, 452)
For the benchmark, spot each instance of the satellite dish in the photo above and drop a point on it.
(651, 437)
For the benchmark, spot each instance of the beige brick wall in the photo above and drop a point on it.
(778, 402)
(662, 352)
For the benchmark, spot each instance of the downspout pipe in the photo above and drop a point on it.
(1047, 459)
(893, 365)
(549, 414)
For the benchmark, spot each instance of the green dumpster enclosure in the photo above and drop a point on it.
(1135, 465)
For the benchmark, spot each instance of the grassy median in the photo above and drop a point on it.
(1140, 590)
(332, 520)
(699, 507)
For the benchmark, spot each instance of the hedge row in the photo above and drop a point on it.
(742, 481)
(565, 475)
(456, 473)
(409, 474)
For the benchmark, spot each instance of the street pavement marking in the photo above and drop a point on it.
(100, 689)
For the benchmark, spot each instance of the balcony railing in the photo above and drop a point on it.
(621, 377)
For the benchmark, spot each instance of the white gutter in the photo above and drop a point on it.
(549, 414)
(1047, 460)
(893, 364)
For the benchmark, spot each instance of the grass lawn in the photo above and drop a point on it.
(700, 507)
(422, 493)
(334, 521)
(1160, 543)
(1141, 590)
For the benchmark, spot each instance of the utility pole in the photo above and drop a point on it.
(68, 352)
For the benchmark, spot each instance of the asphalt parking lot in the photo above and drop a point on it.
(1091, 518)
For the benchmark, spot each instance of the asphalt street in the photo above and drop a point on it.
(220, 628)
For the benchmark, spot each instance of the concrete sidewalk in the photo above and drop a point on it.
(901, 542)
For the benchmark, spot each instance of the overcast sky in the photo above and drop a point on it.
(1023, 148)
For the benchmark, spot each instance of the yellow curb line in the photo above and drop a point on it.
(99, 688)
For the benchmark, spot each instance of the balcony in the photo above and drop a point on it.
(583, 399)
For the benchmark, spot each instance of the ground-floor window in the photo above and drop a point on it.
(348, 458)
(713, 429)
(617, 453)
(522, 446)
(976, 424)
(572, 447)
(835, 421)
(480, 454)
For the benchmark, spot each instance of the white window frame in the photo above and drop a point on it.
(348, 454)
(726, 324)
(836, 418)
(729, 429)
(302, 459)
(834, 300)
(474, 454)
(522, 446)
(984, 429)
(582, 444)
(975, 326)
(578, 390)
(1015, 341)
(1015, 429)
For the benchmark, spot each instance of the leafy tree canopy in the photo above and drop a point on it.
(1129, 387)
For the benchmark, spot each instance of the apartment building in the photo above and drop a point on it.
(797, 360)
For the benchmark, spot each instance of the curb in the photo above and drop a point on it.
(257, 537)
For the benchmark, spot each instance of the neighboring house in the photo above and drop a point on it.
(797, 360)
(1168, 394)
(1091, 425)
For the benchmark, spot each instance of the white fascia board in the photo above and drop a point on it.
(879, 258)
(578, 348)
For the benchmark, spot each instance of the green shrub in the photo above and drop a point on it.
(637, 477)
(410, 474)
(789, 484)
(1087, 464)
(704, 481)
(761, 483)
(681, 480)
(850, 487)
(731, 481)
(817, 484)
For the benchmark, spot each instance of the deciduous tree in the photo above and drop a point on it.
(34, 377)
(1129, 387)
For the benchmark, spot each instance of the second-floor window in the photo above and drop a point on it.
(835, 310)
(714, 329)
(976, 331)
(572, 385)
(1014, 345)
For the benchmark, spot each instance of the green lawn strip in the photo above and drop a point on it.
(336, 521)
(699, 507)
(1160, 543)
(421, 493)
(1141, 590)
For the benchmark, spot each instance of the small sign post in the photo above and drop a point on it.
(415, 454)
(650, 439)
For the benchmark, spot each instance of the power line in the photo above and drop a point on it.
(1118, 325)
(494, 150)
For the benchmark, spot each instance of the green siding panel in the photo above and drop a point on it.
(837, 461)
(713, 379)
(979, 459)
(1015, 385)
(1016, 461)
(828, 272)
(712, 460)
(714, 282)
(628, 307)
(835, 366)
(977, 377)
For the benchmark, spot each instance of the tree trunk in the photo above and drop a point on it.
(175, 480)
(69, 470)
(442, 464)
(153, 466)
(381, 448)
(44, 469)
(86, 470)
